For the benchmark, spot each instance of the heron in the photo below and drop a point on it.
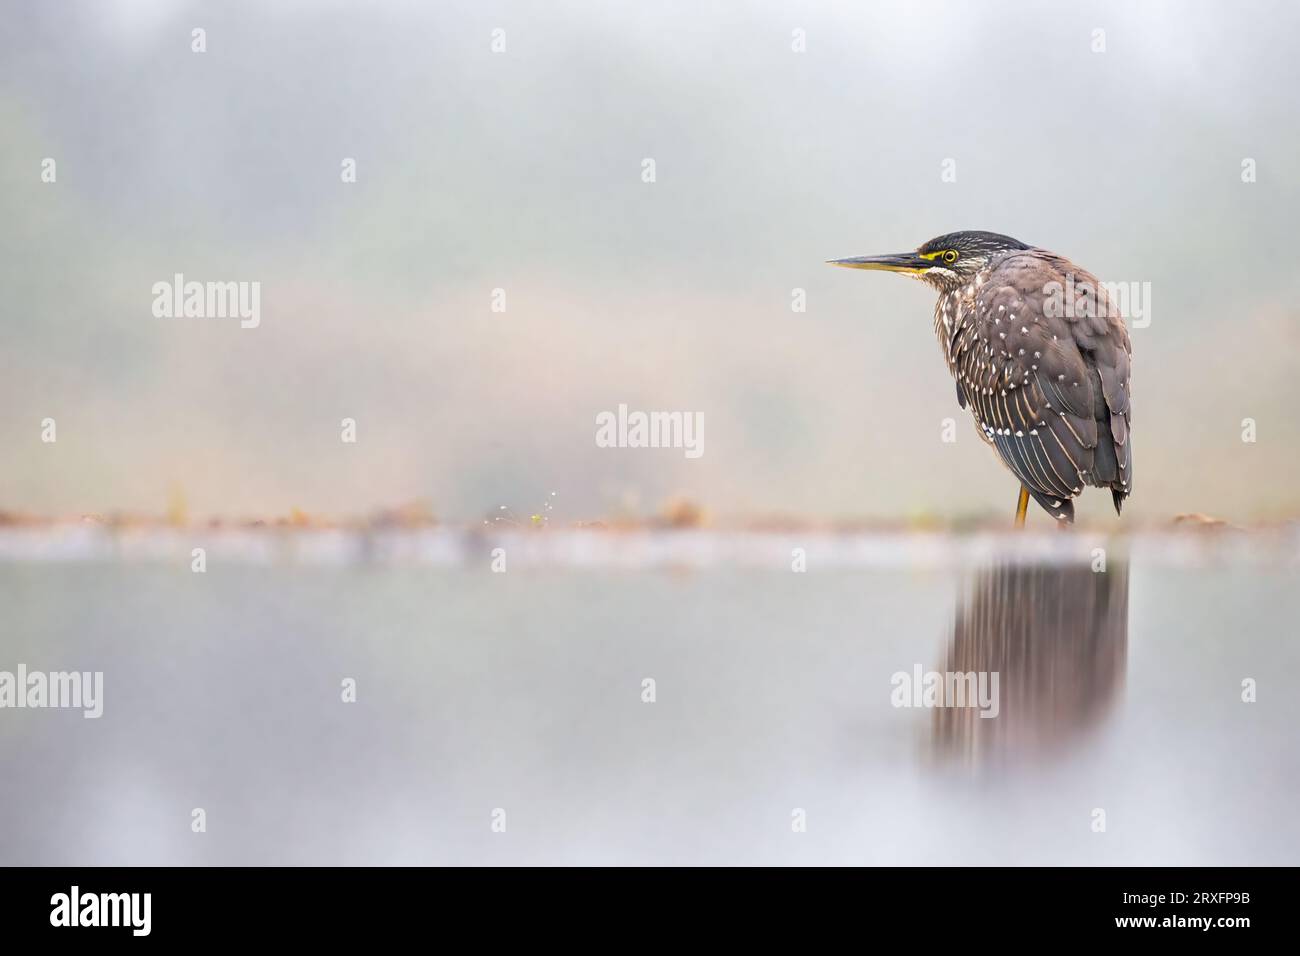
(1040, 356)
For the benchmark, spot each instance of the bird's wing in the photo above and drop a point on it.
(1027, 382)
(1102, 338)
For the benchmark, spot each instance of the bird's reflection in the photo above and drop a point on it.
(1057, 637)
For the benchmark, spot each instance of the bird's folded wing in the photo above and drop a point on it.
(1029, 388)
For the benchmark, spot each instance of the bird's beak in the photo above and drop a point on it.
(907, 262)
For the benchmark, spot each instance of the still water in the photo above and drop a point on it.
(773, 736)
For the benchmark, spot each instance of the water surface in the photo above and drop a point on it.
(523, 691)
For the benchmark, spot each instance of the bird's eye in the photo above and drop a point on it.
(950, 256)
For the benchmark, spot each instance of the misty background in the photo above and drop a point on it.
(521, 170)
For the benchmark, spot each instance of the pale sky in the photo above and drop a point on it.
(522, 170)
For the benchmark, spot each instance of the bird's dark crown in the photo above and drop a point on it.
(974, 242)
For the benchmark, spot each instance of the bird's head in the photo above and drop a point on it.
(945, 262)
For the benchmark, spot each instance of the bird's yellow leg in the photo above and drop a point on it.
(1022, 506)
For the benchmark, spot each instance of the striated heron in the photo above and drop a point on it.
(1039, 355)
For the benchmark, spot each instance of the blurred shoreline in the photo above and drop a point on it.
(638, 545)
